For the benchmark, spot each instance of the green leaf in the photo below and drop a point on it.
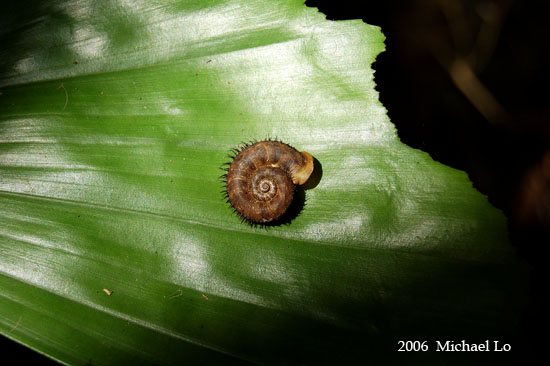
(116, 246)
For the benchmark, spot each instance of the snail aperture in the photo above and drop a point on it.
(261, 179)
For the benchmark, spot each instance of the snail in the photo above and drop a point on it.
(261, 179)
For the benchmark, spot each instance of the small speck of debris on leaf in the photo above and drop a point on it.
(107, 291)
(176, 294)
(205, 296)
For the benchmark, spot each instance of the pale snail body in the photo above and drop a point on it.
(261, 179)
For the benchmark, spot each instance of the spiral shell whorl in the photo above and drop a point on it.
(263, 184)
(260, 180)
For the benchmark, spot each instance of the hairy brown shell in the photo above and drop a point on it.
(260, 180)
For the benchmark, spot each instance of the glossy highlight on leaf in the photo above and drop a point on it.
(116, 247)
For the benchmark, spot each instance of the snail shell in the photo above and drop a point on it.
(260, 180)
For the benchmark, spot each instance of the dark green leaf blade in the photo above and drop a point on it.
(114, 120)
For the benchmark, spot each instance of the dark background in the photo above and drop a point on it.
(491, 122)
(465, 81)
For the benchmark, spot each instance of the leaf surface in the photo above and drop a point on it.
(116, 246)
